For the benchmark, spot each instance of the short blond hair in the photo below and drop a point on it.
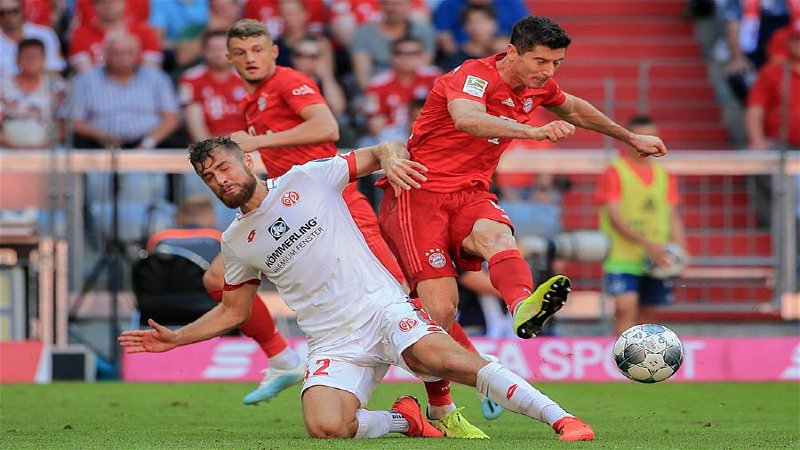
(246, 28)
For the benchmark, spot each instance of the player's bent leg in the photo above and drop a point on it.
(439, 298)
(330, 413)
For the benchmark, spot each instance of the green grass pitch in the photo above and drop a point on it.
(174, 416)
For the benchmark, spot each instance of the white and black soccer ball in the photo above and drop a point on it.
(648, 353)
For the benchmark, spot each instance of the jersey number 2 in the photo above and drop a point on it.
(322, 368)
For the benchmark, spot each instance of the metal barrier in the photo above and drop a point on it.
(730, 259)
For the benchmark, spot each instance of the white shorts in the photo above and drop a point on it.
(357, 362)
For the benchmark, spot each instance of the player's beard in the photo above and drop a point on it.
(240, 198)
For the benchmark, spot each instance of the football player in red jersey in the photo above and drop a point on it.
(470, 117)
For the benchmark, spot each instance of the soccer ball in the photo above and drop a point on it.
(676, 257)
(648, 353)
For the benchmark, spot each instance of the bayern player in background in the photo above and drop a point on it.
(357, 318)
(470, 117)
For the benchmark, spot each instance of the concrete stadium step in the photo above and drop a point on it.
(634, 49)
(606, 8)
(716, 199)
(734, 243)
(722, 293)
(667, 68)
(632, 28)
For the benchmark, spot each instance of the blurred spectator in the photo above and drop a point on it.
(480, 23)
(778, 45)
(14, 28)
(371, 44)
(222, 15)
(30, 101)
(750, 24)
(210, 92)
(123, 103)
(391, 92)
(86, 48)
(44, 12)
(639, 215)
(347, 15)
(172, 18)
(308, 56)
(450, 26)
(295, 27)
(268, 12)
(764, 119)
(137, 11)
(195, 229)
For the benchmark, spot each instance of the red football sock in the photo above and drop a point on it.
(438, 392)
(260, 326)
(459, 335)
(510, 275)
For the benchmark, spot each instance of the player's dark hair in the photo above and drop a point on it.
(536, 30)
(487, 9)
(200, 151)
(29, 43)
(641, 120)
(246, 28)
(402, 40)
(211, 34)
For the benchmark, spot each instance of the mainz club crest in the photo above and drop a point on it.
(290, 198)
(406, 324)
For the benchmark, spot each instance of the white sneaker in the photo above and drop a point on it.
(275, 380)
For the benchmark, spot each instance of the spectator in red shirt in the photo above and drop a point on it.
(269, 13)
(86, 44)
(391, 92)
(135, 11)
(14, 28)
(295, 26)
(43, 12)
(763, 118)
(347, 15)
(211, 92)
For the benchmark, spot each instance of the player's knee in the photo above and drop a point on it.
(332, 427)
(443, 312)
(492, 242)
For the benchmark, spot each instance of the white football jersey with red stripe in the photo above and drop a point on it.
(304, 240)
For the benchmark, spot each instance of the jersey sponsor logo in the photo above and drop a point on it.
(290, 198)
(262, 103)
(303, 90)
(475, 86)
(293, 243)
(511, 390)
(406, 324)
(509, 102)
(251, 236)
(495, 141)
(278, 228)
(436, 258)
(527, 105)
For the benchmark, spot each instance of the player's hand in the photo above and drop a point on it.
(554, 131)
(245, 140)
(648, 145)
(403, 174)
(657, 254)
(739, 65)
(159, 339)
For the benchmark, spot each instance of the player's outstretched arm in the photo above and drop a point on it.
(318, 126)
(231, 313)
(471, 117)
(581, 113)
(393, 158)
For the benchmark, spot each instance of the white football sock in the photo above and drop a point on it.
(437, 412)
(512, 392)
(285, 360)
(374, 424)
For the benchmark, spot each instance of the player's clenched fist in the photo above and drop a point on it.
(554, 131)
(648, 145)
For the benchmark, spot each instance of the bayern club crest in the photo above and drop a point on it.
(290, 198)
(262, 103)
(527, 105)
(436, 258)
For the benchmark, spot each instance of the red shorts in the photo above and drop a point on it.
(425, 229)
(364, 217)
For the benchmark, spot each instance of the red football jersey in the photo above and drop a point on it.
(220, 100)
(276, 106)
(135, 10)
(389, 97)
(86, 43)
(267, 12)
(39, 12)
(367, 10)
(457, 160)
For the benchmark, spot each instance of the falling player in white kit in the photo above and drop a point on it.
(297, 230)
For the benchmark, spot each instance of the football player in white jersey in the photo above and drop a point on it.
(297, 230)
